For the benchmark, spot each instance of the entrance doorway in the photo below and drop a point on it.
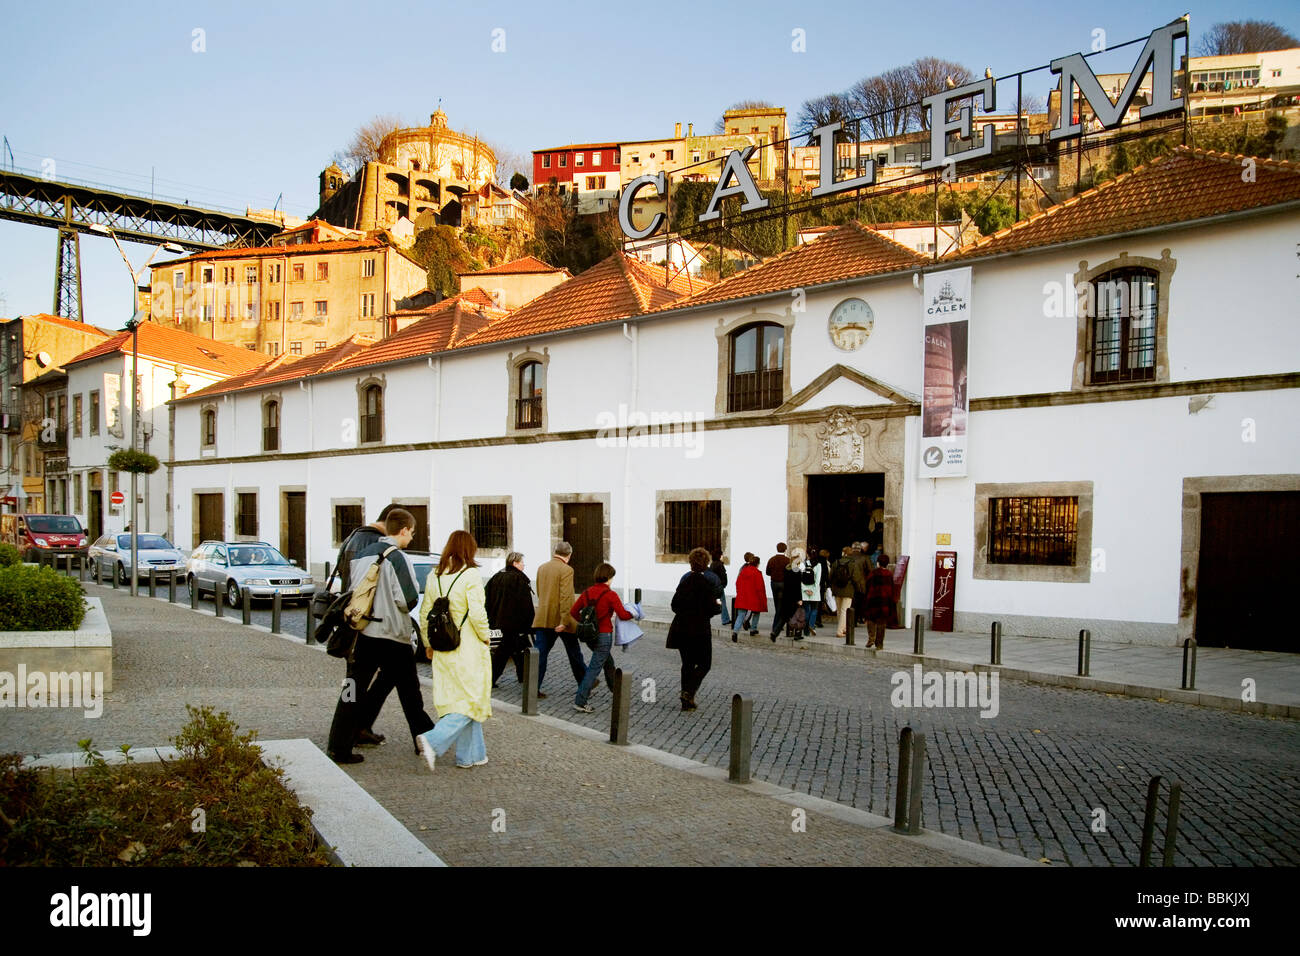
(583, 528)
(294, 544)
(1247, 543)
(211, 525)
(94, 514)
(845, 508)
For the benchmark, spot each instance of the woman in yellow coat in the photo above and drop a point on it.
(462, 679)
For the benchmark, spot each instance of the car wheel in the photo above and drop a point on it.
(232, 594)
(193, 586)
(121, 572)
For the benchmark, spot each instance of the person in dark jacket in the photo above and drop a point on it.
(691, 633)
(880, 602)
(607, 603)
(510, 610)
(791, 598)
(719, 571)
(861, 571)
(775, 570)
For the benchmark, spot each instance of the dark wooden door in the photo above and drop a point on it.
(212, 518)
(1247, 549)
(95, 515)
(294, 544)
(583, 529)
(420, 540)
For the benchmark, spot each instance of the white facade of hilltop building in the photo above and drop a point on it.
(838, 458)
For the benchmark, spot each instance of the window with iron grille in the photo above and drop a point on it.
(692, 524)
(532, 383)
(346, 517)
(756, 377)
(1122, 326)
(271, 427)
(1038, 531)
(372, 416)
(489, 524)
(246, 514)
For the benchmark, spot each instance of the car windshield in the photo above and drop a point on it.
(145, 542)
(261, 554)
(54, 524)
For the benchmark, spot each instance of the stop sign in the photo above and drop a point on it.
(117, 497)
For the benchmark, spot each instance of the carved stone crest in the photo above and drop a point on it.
(842, 443)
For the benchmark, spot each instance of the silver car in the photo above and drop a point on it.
(233, 567)
(113, 551)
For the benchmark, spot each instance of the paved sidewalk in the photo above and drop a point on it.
(1137, 670)
(551, 795)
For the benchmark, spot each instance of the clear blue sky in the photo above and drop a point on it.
(115, 93)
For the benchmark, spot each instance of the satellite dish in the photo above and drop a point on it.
(43, 359)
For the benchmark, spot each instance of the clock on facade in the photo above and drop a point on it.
(850, 324)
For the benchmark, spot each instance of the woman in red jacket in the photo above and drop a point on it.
(751, 597)
(607, 605)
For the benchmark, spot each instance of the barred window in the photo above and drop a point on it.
(246, 515)
(692, 524)
(488, 525)
(346, 517)
(1038, 531)
(1122, 326)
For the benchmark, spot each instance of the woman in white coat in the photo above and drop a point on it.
(462, 679)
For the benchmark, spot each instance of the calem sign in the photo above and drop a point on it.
(1157, 55)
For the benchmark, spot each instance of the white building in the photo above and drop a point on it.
(1111, 459)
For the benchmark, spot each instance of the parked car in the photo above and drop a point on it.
(233, 567)
(154, 551)
(45, 537)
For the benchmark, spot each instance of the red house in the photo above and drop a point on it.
(586, 167)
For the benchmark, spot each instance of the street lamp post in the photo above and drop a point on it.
(134, 325)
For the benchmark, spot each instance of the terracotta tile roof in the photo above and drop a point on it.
(180, 348)
(286, 368)
(556, 149)
(256, 252)
(445, 325)
(474, 296)
(617, 288)
(849, 252)
(528, 264)
(1186, 185)
(66, 323)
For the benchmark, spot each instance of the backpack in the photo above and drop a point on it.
(841, 575)
(362, 599)
(588, 625)
(809, 576)
(442, 634)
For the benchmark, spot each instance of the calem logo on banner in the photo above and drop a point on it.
(1157, 55)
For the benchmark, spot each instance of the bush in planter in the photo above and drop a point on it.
(39, 599)
(9, 555)
(129, 459)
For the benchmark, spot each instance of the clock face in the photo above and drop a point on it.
(850, 324)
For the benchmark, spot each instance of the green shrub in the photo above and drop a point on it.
(129, 459)
(39, 599)
(9, 555)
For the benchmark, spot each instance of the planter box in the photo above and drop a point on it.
(88, 648)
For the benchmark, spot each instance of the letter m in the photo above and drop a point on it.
(1157, 54)
(118, 905)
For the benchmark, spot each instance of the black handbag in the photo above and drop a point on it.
(339, 639)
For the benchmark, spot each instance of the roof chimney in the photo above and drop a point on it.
(677, 131)
(690, 129)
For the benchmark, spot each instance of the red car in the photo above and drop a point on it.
(47, 538)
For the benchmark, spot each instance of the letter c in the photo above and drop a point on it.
(660, 182)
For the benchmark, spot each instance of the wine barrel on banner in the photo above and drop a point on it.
(938, 380)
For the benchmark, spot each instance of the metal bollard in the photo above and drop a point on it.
(247, 606)
(904, 785)
(327, 570)
(171, 586)
(114, 575)
(1171, 821)
(1189, 664)
(153, 582)
(311, 627)
(742, 729)
(850, 624)
(918, 635)
(1149, 822)
(275, 613)
(621, 710)
(194, 595)
(995, 652)
(97, 579)
(918, 777)
(67, 564)
(532, 660)
(218, 601)
(81, 567)
(1085, 652)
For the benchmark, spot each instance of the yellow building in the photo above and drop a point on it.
(305, 295)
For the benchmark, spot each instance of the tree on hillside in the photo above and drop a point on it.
(364, 146)
(885, 102)
(510, 163)
(443, 254)
(721, 125)
(519, 182)
(1245, 36)
(932, 75)
(816, 112)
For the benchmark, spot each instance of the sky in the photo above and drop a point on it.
(242, 104)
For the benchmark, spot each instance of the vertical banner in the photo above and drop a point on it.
(113, 403)
(946, 306)
(945, 590)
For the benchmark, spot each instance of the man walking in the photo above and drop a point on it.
(510, 610)
(384, 644)
(552, 620)
(776, 566)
